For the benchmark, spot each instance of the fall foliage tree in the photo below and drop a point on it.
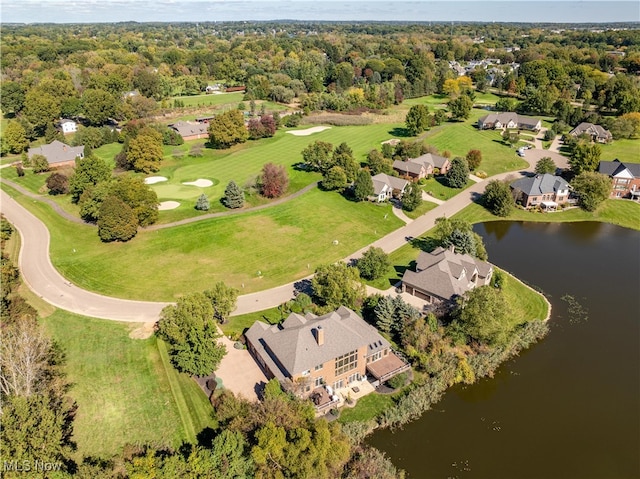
(273, 180)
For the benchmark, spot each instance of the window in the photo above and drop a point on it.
(306, 373)
(318, 367)
(346, 362)
(319, 382)
(374, 357)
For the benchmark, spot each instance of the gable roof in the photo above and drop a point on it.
(590, 129)
(615, 167)
(186, 128)
(57, 152)
(291, 347)
(505, 117)
(444, 273)
(540, 184)
(382, 179)
(436, 161)
(408, 167)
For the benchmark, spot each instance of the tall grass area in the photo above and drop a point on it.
(257, 250)
(125, 392)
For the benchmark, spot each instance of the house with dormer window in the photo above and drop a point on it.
(323, 353)
(444, 274)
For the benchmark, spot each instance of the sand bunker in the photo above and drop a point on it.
(154, 179)
(200, 182)
(168, 205)
(309, 131)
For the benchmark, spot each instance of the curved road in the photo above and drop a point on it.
(46, 282)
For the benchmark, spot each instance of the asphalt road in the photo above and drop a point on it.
(45, 281)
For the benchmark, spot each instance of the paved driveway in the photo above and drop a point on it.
(240, 373)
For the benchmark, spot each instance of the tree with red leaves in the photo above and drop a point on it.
(273, 181)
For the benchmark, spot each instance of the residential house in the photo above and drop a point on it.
(625, 176)
(508, 120)
(595, 132)
(58, 154)
(191, 131)
(545, 190)
(385, 185)
(318, 355)
(215, 88)
(68, 126)
(422, 166)
(444, 274)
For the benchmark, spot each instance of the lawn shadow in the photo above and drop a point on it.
(424, 244)
(303, 286)
(399, 131)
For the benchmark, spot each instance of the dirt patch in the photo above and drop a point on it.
(144, 331)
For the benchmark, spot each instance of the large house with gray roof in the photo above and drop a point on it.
(596, 132)
(625, 176)
(545, 190)
(385, 185)
(311, 352)
(58, 154)
(508, 120)
(444, 274)
(422, 166)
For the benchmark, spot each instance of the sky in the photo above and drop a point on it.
(94, 11)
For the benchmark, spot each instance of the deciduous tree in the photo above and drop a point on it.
(337, 285)
(58, 184)
(227, 129)
(39, 163)
(592, 189)
(273, 180)
(363, 186)
(98, 106)
(417, 119)
(545, 165)
(116, 220)
(192, 335)
(584, 157)
(89, 171)
(474, 158)
(458, 174)
(460, 107)
(144, 153)
(334, 179)
(373, 263)
(498, 199)
(378, 163)
(15, 137)
(223, 300)
(412, 198)
(317, 156)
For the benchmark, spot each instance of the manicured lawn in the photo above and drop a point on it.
(624, 150)
(437, 188)
(424, 207)
(367, 408)
(284, 243)
(125, 392)
(460, 137)
(236, 325)
(527, 304)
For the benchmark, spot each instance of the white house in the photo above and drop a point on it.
(384, 186)
(68, 126)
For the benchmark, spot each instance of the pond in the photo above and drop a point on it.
(569, 407)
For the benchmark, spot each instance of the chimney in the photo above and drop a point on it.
(320, 335)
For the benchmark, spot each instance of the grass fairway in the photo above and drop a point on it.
(624, 150)
(124, 390)
(284, 243)
(231, 99)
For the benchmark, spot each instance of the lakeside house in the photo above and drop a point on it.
(191, 131)
(58, 154)
(68, 126)
(508, 120)
(422, 166)
(625, 176)
(320, 355)
(386, 186)
(597, 133)
(444, 274)
(544, 190)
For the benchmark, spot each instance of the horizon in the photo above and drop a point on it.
(222, 11)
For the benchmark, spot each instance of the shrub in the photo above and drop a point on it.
(117, 221)
(39, 164)
(398, 381)
(58, 184)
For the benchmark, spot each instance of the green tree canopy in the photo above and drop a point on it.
(455, 232)
(592, 189)
(584, 157)
(15, 137)
(98, 106)
(89, 171)
(317, 156)
(363, 186)
(498, 199)
(417, 119)
(334, 179)
(223, 300)
(373, 263)
(116, 220)
(460, 107)
(412, 198)
(336, 285)
(191, 334)
(378, 163)
(458, 173)
(545, 165)
(474, 158)
(227, 129)
(144, 152)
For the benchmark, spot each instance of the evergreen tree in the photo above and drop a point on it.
(385, 314)
(363, 186)
(203, 203)
(233, 196)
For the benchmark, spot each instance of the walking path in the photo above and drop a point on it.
(46, 282)
(397, 210)
(427, 197)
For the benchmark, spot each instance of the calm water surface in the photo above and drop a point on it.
(569, 407)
